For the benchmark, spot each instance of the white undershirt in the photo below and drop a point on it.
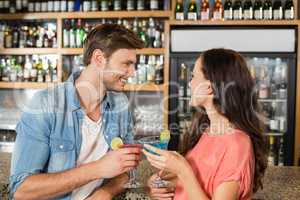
(93, 147)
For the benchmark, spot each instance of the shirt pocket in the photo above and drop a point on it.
(61, 145)
(61, 154)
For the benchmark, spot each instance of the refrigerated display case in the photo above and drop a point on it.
(272, 64)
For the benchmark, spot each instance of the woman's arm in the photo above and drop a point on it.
(190, 184)
(173, 162)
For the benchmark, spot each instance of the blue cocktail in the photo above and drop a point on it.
(161, 142)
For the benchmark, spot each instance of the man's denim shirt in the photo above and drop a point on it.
(49, 132)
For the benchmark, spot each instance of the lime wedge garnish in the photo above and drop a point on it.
(165, 135)
(116, 143)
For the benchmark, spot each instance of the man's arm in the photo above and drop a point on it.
(46, 186)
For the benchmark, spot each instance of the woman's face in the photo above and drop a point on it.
(201, 89)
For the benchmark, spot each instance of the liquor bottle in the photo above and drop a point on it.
(37, 6)
(66, 34)
(281, 153)
(32, 37)
(79, 34)
(13, 72)
(289, 12)
(63, 5)
(40, 72)
(56, 7)
(140, 4)
(2, 30)
(73, 34)
(8, 39)
(110, 5)
(179, 14)
(248, 10)
(151, 32)
(142, 32)
(6, 70)
(117, 5)
(130, 5)
(192, 11)
(188, 88)
(280, 117)
(135, 26)
(34, 70)
(71, 4)
(94, 5)
(2, 66)
(24, 5)
(150, 67)
(182, 80)
(157, 43)
(277, 10)
(218, 10)
(87, 29)
(154, 4)
(12, 7)
(274, 123)
(264, 84)
(282, 92)
(142, 70)
(6, 6)
(159, 71)
(24, 36)
(205, 10)
(268, 10)
(228, 12)
(27, 68)
(19, 64)
(18, 6)
(273, 89)
(50, 6)
(44, 6)
(1, 8)
(15, 37)
(86, 6)
(104, 5)
(237, 10)
(258, 10)
(271, 156)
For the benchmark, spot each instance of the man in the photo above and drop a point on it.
(64, 135)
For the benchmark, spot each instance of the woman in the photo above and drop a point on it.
(226, 151)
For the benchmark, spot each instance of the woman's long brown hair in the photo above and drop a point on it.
(236, 99)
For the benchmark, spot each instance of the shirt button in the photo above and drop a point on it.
(61, 146)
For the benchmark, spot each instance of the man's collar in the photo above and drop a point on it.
(107, 102)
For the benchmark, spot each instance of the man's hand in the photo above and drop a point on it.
(118, 162)
(110, 189)
(166, 193)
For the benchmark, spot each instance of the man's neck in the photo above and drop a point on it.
(90, 90)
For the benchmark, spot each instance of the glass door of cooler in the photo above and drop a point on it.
(274, 75)
(180, 111)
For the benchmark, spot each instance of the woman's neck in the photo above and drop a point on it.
(219, 124)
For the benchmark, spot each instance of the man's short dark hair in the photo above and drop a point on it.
(109, 38)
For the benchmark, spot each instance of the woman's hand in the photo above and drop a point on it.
(165, 193)
(169, 161)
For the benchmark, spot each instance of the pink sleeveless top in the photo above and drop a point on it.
(217, 159)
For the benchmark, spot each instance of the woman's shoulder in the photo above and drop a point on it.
(239, 139)
(239, 147)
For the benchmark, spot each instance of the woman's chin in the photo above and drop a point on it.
(195, 103)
